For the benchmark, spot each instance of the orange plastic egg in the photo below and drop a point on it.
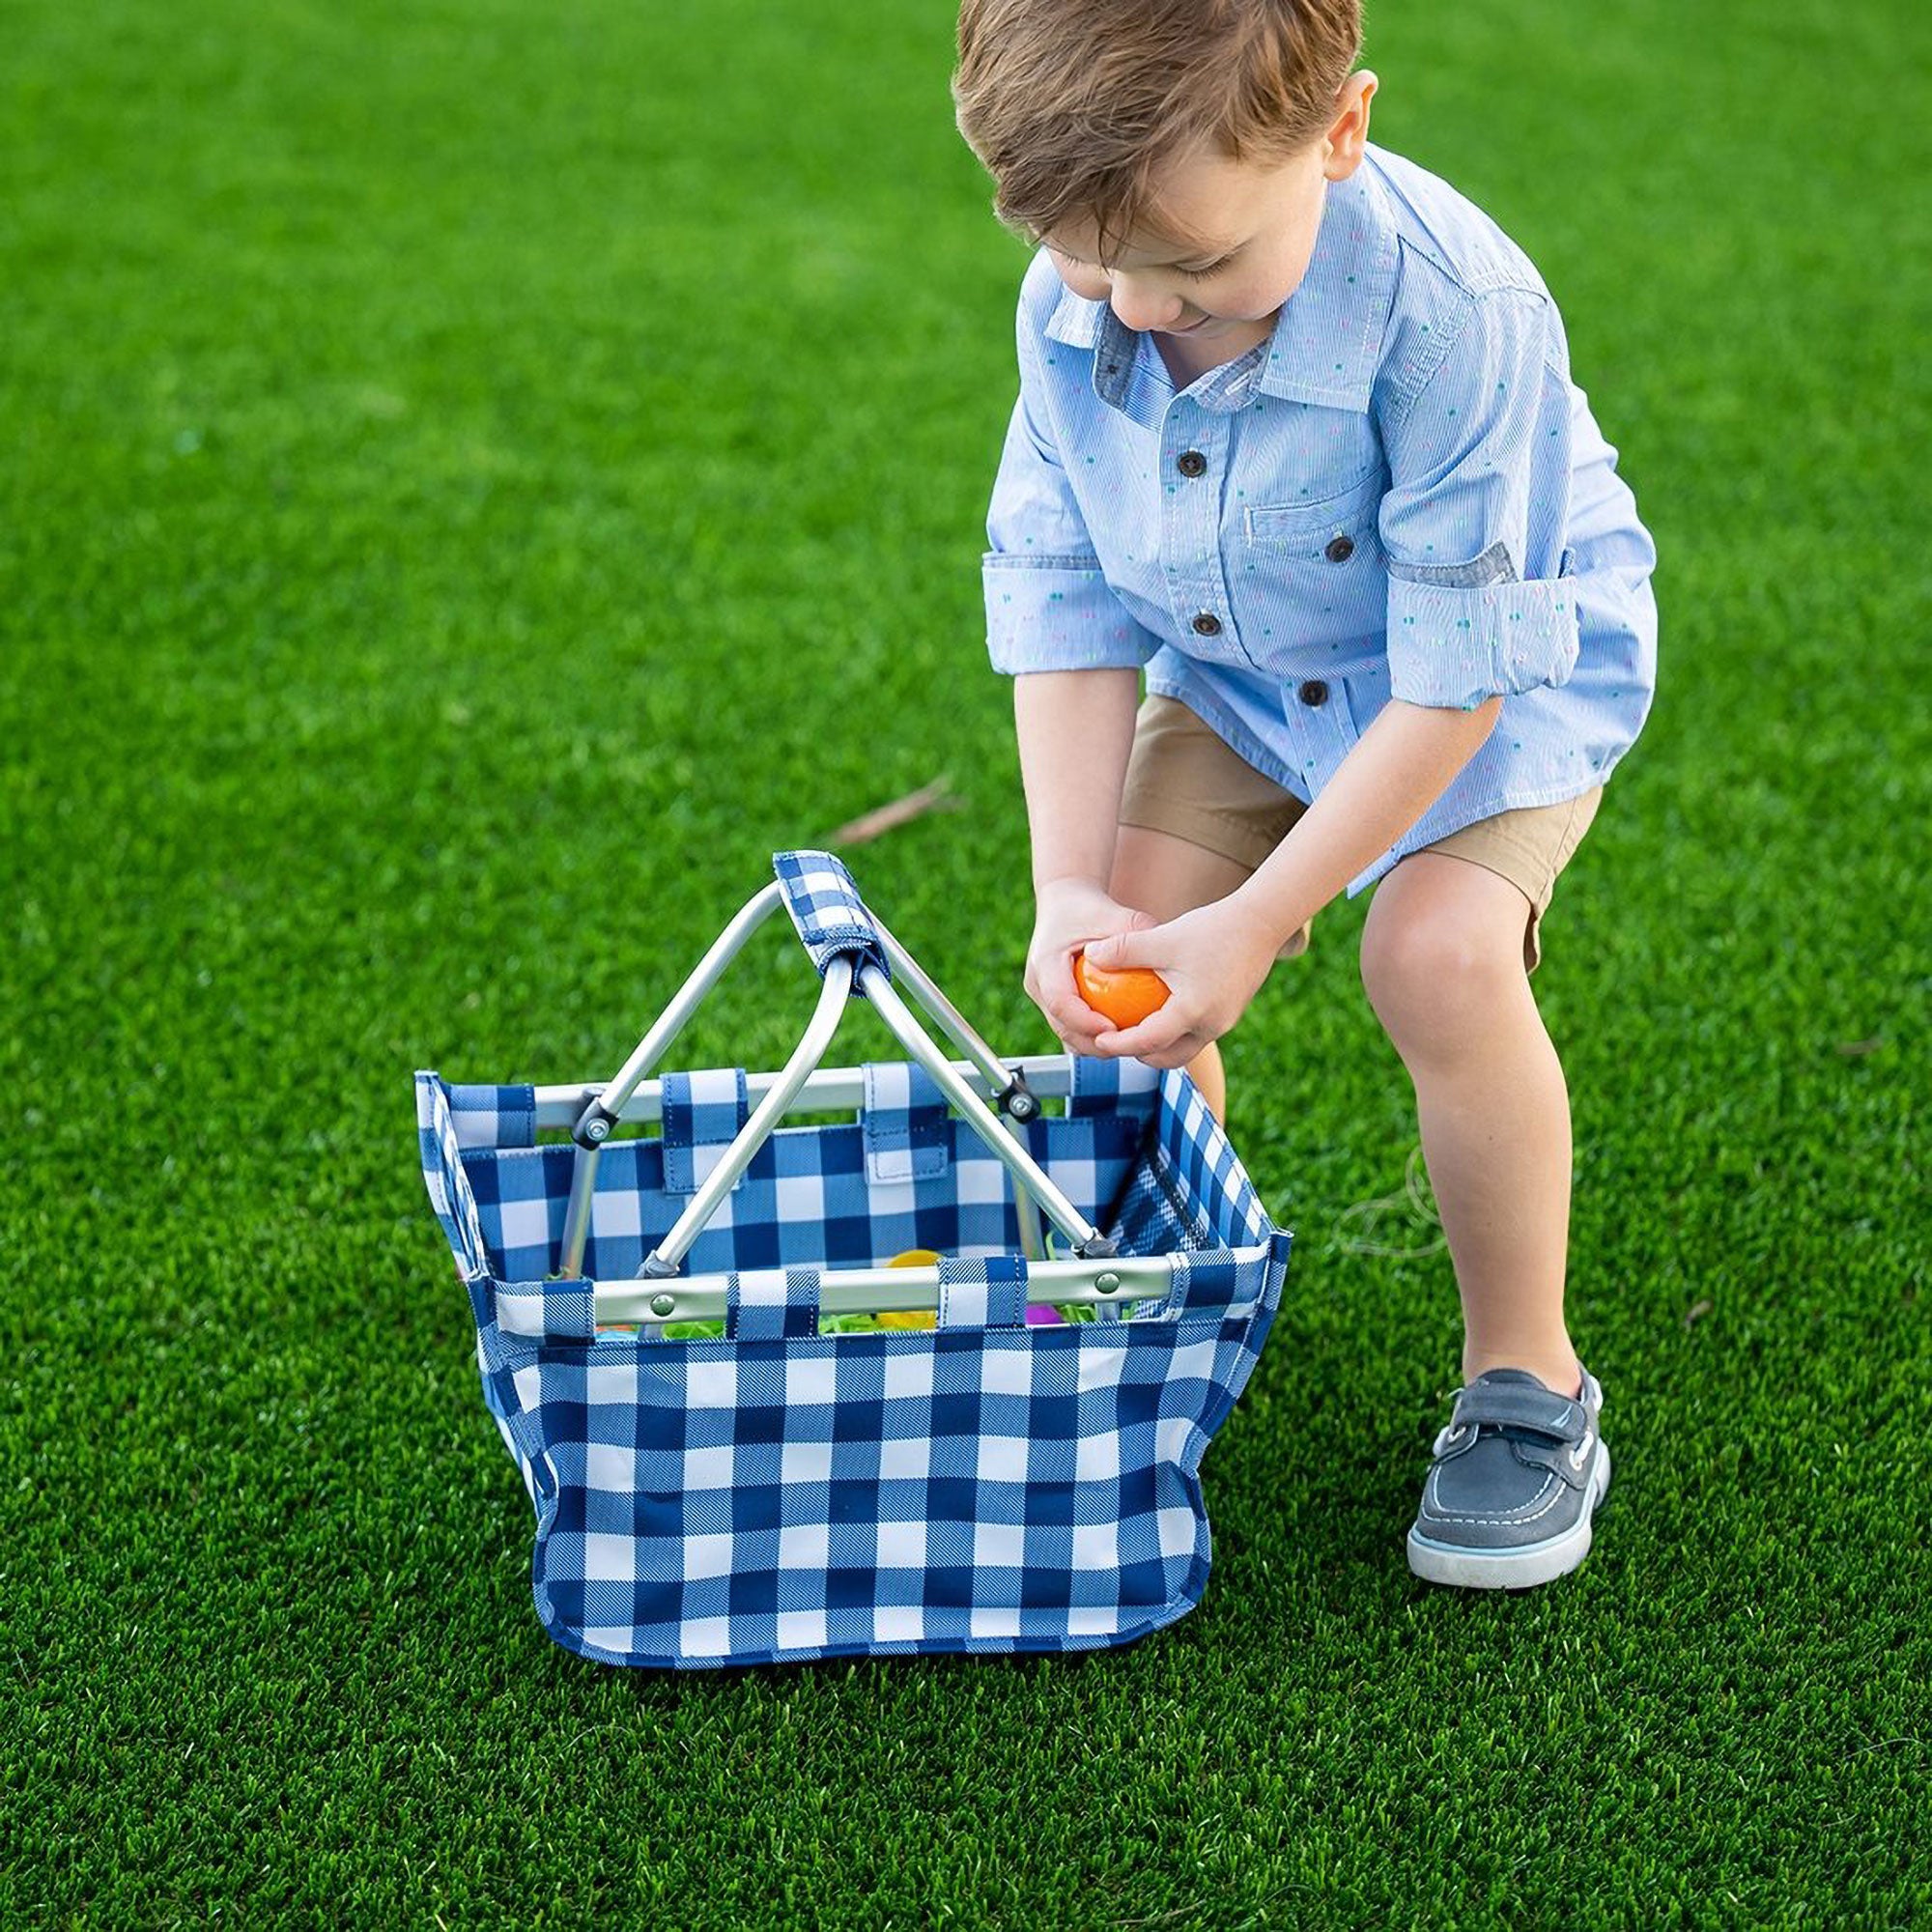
(1126, 997)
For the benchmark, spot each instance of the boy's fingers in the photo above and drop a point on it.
(1119, 950)
(1180, 1054)
(1155, 1035)
(1071, 1017)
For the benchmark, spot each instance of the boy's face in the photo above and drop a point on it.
(1233, 242)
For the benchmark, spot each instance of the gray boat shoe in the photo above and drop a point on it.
(1518, 1474)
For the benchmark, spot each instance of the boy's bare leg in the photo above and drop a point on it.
(1155, 872)
(1442, 961)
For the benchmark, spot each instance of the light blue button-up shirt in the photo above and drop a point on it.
(1400, 494)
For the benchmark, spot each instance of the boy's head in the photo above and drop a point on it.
(1079, 108)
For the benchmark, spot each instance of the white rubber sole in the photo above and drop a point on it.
(1522, 1569)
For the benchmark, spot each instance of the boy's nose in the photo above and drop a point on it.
(1140, 307)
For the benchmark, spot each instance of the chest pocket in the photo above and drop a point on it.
(1331, 530)
(1312, 577)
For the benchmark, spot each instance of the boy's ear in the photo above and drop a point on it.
(1348, 133)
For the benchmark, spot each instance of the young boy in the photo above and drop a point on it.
(1296, 442)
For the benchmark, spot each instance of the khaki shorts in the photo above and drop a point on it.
(1184, 780)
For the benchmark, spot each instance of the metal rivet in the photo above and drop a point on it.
(663, 1304)
(1107, 1284)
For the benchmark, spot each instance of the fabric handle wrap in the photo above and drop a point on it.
(831, 919)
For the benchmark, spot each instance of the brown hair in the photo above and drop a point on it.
(1074, 105)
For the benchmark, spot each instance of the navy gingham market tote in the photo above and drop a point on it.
(937, 1377)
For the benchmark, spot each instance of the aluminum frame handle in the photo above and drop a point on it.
(595, 1124)
(833, 997)
(859, 956)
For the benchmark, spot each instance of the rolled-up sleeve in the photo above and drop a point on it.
(1048, 603)
(1473, 520)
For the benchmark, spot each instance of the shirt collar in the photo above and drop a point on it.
(1328, 342)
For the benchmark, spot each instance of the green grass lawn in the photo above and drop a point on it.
(477, 480)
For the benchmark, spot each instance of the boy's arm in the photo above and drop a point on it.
(1214, 959)
(1049, 607)
(1075, 730)
(1054, 621)
(1401, 765)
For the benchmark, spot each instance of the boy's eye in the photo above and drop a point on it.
(1203, 272)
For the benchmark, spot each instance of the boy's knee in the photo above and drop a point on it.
(1433, 978)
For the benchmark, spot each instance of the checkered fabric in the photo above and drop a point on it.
(906, 1132)
(703, 1114)
(495, 1117)
(826, 908)
(778, 1495)
(807, 1197)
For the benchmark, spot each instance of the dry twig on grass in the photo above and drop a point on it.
(875, 824)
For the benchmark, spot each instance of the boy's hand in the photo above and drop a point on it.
(1213, 960)
(1073, 915)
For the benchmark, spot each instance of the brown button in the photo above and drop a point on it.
(1191, 463)
(1314, 693)
(1340, 549)
(1208, 625)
